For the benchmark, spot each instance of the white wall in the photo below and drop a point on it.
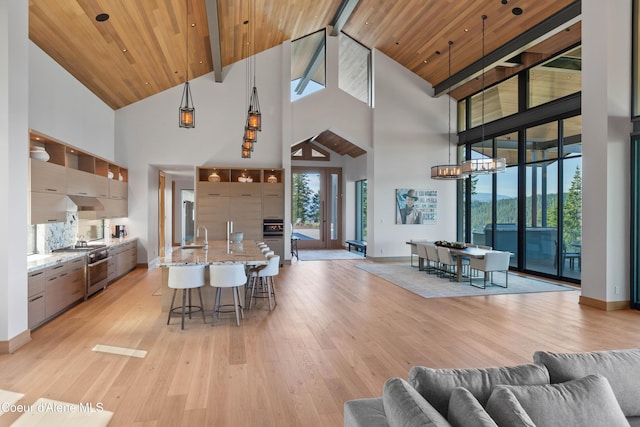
(60, 107)
(606, 109)
(410, 135)
(14, 143)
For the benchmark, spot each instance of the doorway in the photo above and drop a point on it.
(316, 207)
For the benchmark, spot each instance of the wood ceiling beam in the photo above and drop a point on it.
(342, 15)
(545, 29)
(214, 38)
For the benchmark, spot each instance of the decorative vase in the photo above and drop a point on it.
(214, 177)
(39, 153)
(110, 175)
(272, 179)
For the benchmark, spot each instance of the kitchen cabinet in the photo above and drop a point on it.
(36, 295)
(81, 183)
(118, 189)
(48, 177)
(112, 266)
(48, 208)
(243, 196)
(64, 285)
(70, 171)
(102, 186)
(276, 244)
(126, 258)
(273, 201)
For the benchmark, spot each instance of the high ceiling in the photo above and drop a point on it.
(140, 50)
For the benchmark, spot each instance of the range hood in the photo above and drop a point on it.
(86, 203)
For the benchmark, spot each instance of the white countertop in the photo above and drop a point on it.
(40, 261)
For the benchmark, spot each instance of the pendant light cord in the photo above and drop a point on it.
(449, 94)
(484, 17)
(186, 65)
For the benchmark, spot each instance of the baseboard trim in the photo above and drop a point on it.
(604, 305)
(8, 347)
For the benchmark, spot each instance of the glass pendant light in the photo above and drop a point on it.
(450, 171)
(484, 165)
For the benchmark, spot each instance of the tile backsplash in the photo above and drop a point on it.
(59, 235)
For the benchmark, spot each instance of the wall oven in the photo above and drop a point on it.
(273, 228)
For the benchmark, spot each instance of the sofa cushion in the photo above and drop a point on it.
(466, 411)
(404, 406)
(506, 411)
(436, 385)
(367, 412)
(585, 402)
(615, 365)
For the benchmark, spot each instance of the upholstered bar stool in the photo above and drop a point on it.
(227, 276)
(262, 282)
(186, 277)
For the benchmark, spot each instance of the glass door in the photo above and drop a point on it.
(316, 207)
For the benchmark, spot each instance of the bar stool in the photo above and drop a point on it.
(186, 277)
(262, 282)
(227, 276)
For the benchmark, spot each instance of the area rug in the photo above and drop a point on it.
(431, 286)
(46, 412)
(327, 254)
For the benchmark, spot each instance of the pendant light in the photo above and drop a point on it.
(187, 111)
(449, 171)
(484, 165)
(253, 123)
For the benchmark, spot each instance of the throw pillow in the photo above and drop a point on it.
(617, 366)
(585, 402)
(404, 407)
(436, 385)
(466, 411)
(505, 409)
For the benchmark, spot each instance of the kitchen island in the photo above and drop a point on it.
(216, 252)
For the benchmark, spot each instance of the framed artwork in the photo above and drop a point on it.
(416, 206)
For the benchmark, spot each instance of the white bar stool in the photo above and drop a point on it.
(262, 282)
(186, 277)
(227, 276)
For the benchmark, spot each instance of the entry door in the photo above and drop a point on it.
(316, 207)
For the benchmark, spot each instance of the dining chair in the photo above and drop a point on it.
(492, 261)
(186, 277)
(423, 259)
(447, 263)
(433, 259)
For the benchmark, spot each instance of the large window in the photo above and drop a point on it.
(361, 210)
(308, 74)
(558, 77)
(534, 208)
(354, 69)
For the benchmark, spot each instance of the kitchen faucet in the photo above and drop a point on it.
(206, 235)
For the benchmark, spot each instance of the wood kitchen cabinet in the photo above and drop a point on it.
(243, 196)
(126, 258)
(48, 177)
(70, 171)
(36, 295)
(46, 208)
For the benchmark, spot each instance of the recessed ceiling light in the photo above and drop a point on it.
(124, 50)
(516, 11)
(101, 17)
(193, 25)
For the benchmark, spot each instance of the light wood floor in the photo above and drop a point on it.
(337, 333)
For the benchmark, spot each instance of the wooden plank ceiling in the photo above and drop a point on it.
(140, 50)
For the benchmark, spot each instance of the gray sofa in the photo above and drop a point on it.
(558, 389)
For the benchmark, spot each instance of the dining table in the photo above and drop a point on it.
(470, 251)
(246, 252)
